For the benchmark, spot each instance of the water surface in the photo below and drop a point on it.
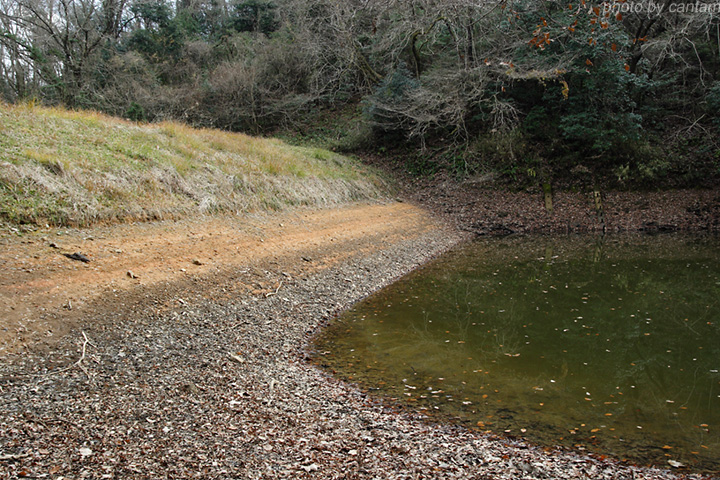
(608, 345)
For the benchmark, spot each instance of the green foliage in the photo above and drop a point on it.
(503, 152)
(640, 164)
(423, 165)
(161, 37)
(599, 114)
(591, 103)
(135, 113)
(381, 107)
(259, 16)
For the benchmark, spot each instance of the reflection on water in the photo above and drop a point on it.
(610, 345)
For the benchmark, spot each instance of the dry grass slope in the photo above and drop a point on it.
(65, 167)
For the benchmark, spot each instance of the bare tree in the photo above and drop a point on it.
(55, 40)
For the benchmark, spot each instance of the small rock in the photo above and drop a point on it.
(196, 262)
(131, 274)
(77, 256)
(189, 388)
(237, 358)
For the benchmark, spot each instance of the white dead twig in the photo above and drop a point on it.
(275, 292)
(82, 357)
(78, 363)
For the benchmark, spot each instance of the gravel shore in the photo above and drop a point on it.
(206, 382)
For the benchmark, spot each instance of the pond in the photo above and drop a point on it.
(609, 345)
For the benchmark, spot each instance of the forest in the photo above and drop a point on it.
(575, 92)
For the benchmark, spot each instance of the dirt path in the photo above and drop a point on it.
(44, 294)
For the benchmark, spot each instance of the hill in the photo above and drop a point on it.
(63, 167)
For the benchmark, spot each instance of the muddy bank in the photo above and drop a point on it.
(481, 208)
(207, 379)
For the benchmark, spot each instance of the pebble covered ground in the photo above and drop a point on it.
(217, 385)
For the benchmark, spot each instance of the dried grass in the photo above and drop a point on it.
(79, 168)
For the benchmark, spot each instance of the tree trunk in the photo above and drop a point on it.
(547, 194)
(599, 208)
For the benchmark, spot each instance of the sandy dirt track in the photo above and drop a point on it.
(43, 294)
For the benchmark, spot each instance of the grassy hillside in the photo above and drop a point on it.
(78, 168)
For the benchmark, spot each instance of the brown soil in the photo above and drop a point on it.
(44, 294)
(487, 211)
(481, 206)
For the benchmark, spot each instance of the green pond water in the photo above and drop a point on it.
(609, 345)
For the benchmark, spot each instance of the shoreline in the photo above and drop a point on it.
(482, 207)
(203, 377)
